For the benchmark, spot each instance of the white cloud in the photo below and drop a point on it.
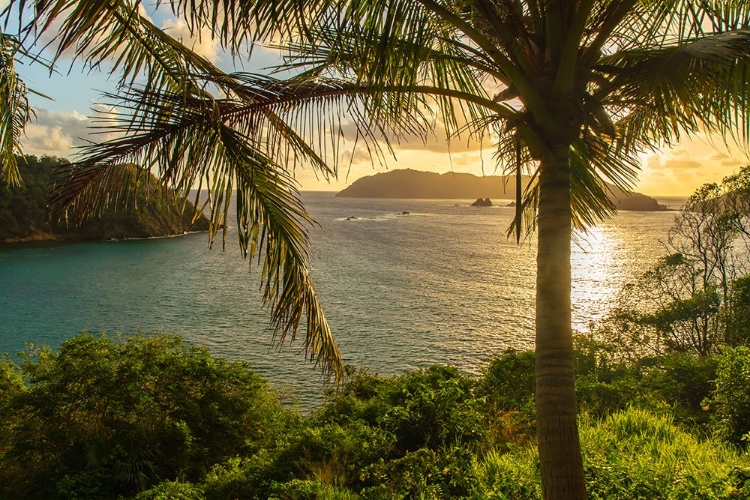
(201, 43)
(55, 133)
(59, 133)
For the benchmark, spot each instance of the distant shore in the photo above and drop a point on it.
(420, 185)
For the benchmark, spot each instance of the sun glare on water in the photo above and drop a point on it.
(597, 272)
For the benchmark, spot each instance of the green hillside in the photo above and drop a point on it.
(24, 215)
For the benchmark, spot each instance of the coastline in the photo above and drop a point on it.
(60, 238)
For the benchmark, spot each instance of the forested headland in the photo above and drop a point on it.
(25, 216)
(415, 184)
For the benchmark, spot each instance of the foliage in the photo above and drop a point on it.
(731, 399)
(103, 417)
(171, 490)
(628, 455)
(424, 473)
(637, 455)
(24, 212)
(15, 112)
(427, 408)
(738, 329)
(508, 381)
(509, 476)
(299, 489)
(151, 418)
(582, 89)
(507, 385)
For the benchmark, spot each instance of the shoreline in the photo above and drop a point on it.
(57, 238)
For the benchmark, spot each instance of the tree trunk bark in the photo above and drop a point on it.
(557, 429)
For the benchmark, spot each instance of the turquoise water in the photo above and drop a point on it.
(441, 284)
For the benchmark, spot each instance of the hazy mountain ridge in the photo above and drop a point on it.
(416, 184)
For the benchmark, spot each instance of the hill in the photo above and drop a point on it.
(415, 184)
(24, 215)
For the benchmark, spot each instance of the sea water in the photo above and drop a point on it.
(404, 284)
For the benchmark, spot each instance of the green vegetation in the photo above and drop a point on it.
(25, 216)
(153, 418)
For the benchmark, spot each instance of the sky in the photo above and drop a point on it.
(62, 124)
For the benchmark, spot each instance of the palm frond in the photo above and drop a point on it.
(15, 112)
(188, 144)
(681, 89)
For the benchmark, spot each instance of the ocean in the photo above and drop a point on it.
(440, 283)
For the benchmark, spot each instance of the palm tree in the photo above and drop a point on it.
(570, 91)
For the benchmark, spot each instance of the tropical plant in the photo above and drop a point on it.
(569, 90)
(731, 399)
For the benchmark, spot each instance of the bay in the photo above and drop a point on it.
(404, 283)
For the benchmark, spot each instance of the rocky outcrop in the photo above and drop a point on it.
(482, 203)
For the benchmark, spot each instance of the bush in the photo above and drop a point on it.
(684, 382)
(423, 473)
(508, 382)
(335, 454)
(509, 476)
(738, 331)
(628, 455)
(731, 399)
(171, 490)
(102, 417)
(299, 489)
(634, 454)
(429, 408)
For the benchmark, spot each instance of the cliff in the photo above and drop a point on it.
(415, 184)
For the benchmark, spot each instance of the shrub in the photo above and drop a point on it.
(731, 398)
(171, 490)
(247, 478)
(684, 382)
(302, 489)
(428, 408)
(423, 473)
(105, 417)
(629, 455)
(335, 454)
(634, 454)
(508, 382)
(508, 476)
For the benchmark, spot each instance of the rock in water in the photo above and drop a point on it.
(482, 203)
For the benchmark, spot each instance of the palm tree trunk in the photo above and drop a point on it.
(559, 446)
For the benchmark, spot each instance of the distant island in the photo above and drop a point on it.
(415, 184)
(24, 215)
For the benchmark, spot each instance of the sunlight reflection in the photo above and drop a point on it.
(598, 273)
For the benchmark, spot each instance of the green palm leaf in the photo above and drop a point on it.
(187, 149)
(15, 112)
